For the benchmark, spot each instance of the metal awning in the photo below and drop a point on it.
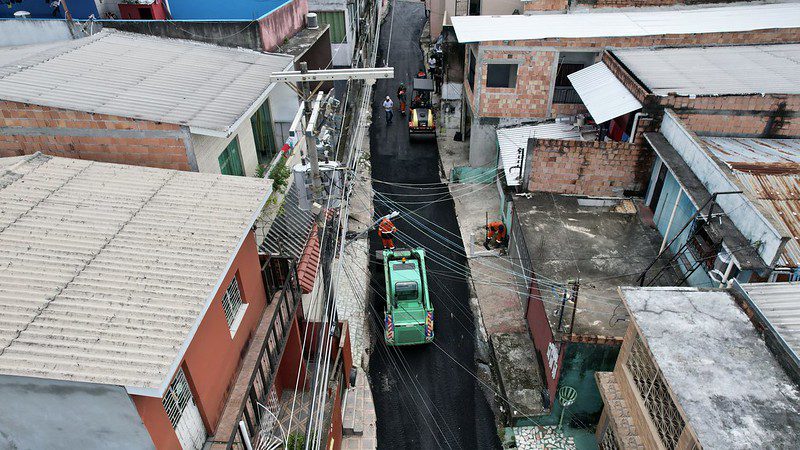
(603, 94)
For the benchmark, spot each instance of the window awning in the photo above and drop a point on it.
(603, 94)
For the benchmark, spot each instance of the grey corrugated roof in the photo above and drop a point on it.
(743, 69)
(733, 391)
(289, 233)
(513, 142)
(780, 305)
(203, 86)
(107, 269)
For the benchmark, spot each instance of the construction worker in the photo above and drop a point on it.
(401, 97)
(496, 234)
(386, 230)
(388, 104)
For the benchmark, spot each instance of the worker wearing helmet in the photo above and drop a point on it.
(496, 234)
(386, 231)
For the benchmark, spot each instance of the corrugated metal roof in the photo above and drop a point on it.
(769, 170)
(744, 69)
(107, 269)
(289, 233)
(780, 305)
(603, 94)
(203, 86)
(513, 143)
(627, 23)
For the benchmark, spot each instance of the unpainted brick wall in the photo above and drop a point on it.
(545, 5)
(163, 152)
(530, 97)
(567, 109)
(588, 168)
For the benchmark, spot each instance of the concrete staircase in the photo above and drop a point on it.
(359, 410)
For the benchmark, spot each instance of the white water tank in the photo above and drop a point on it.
(311, 21)
(22, 15)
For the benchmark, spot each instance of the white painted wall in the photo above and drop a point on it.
(207, 149)
(25, 32)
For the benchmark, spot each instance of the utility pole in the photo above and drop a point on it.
(311, 116)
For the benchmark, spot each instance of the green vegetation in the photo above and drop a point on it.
(280, 175)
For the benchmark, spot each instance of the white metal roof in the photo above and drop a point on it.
(106, 270)
(513, 143)
(733, 391)
(754, 150)
(206, 87)
(780, 305)
(603, 94)
(745, 69)
(626, 23)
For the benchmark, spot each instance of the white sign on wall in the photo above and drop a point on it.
(552, 359)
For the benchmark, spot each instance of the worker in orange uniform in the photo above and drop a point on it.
(496, 233)
(386, 230)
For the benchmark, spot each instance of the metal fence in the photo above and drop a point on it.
(268, 361)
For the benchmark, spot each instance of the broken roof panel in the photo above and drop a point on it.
(732, 70)
(603, 94)
(106, 270)
(779, 304)
(513, 142)
(726, 19)
(205, 87)
(731, 388)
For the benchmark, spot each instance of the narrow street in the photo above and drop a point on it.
(425, 396)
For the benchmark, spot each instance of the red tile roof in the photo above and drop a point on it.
(309, 262)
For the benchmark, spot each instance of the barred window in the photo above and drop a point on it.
(232, 301)
(176, 398)
(653, 390)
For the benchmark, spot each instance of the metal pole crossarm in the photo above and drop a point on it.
(367, 73)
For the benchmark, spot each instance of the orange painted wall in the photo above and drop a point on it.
(212, 359)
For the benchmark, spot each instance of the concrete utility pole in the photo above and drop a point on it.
(305, 76)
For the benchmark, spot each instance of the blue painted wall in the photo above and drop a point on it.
(222, 9)
(683, 213)
(39, 9)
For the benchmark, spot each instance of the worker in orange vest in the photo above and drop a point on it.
(496, 230)
(386, 230)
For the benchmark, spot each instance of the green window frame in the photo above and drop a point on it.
(336, 20)
(230, 160)
(263, 133)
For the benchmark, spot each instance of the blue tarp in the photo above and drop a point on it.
(222, 9)
(40, 9)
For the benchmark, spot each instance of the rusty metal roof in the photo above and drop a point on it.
(769, 170)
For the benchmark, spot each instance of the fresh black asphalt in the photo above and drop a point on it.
(425, 396)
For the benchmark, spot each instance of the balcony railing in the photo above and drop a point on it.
(566, 94)
(259, 367)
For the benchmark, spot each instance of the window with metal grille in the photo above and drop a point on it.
(609, 441)
(232, 301)
(176, 398)
(653, 390)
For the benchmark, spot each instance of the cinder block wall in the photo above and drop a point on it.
(588, 168)
(26, 129)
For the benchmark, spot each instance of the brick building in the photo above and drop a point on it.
(136, 99)
(135, 301)
(693, 372)
(517, 67)
(731, 91)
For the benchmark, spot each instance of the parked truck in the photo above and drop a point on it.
(408, 314)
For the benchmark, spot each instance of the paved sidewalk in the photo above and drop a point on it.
(359, 416)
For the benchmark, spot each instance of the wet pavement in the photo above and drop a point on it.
(425, 396)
